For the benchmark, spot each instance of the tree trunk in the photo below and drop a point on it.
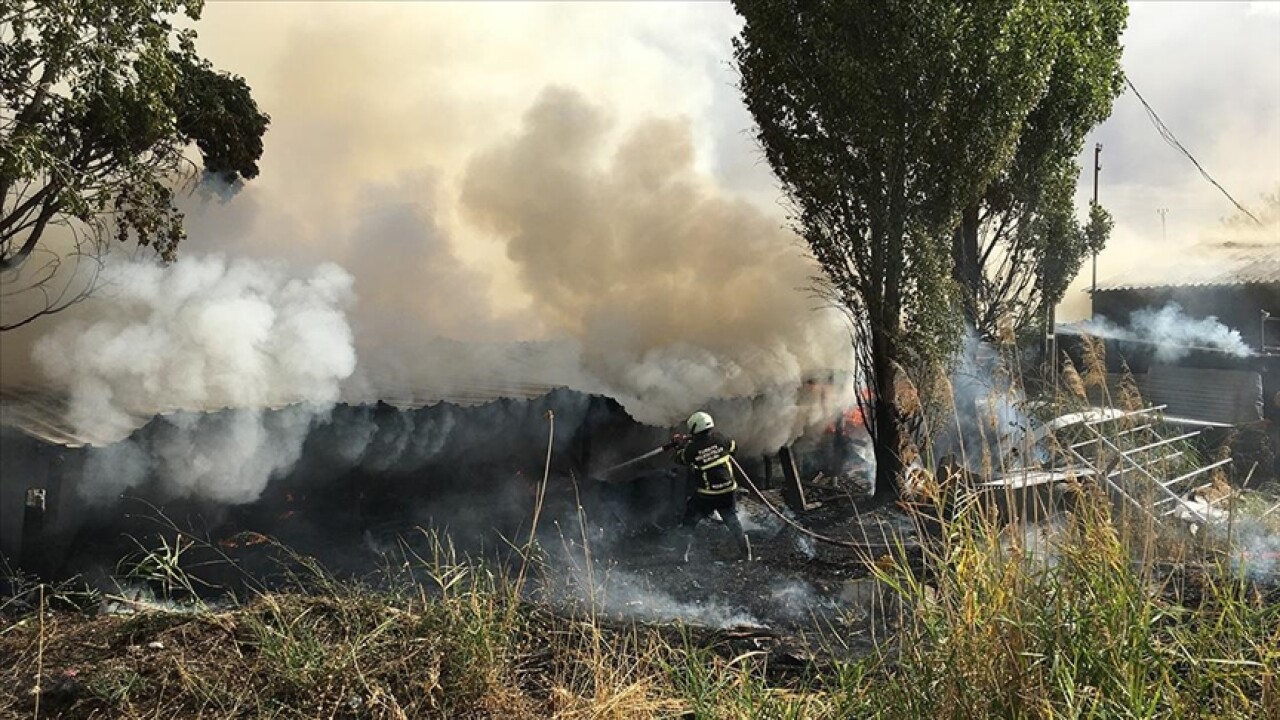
(888, 434)
(966, 268)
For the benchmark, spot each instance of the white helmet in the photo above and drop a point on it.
(699, 422)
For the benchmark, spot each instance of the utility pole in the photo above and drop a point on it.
(1164, 236)
(1097, 167)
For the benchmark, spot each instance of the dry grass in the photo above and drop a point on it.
(1114, 617)
(1082, 631)
(996, 631)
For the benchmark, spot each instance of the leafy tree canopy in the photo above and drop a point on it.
(1020, 245)
(884, 120)
(100, 100)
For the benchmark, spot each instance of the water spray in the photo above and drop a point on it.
(676, 441)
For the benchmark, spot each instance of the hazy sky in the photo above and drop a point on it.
(1211, 70)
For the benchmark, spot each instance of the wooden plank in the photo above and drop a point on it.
(31, 553)
(792, 489)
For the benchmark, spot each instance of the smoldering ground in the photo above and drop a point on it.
(375, 487)
(659, 356)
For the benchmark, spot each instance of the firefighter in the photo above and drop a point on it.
(709, 456)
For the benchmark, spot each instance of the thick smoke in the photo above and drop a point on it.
(1173, 332)
(678, 295)
(501, 230)
(203, 334)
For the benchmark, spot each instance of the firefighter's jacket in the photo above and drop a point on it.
(709, 456)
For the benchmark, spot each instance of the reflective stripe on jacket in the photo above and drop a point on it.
(709, 456)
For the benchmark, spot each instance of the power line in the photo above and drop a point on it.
(1173, 142)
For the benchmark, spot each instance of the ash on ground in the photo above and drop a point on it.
(820, 597)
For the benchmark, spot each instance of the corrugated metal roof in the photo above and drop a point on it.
(1224, 264)
(43, 415)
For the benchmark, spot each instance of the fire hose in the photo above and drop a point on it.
(863, 546)
(867, 547)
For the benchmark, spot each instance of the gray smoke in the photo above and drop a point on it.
(679, 296)
(569, 227)
(988, 422)
(799, 601)
(635, 597)
(1257, 544)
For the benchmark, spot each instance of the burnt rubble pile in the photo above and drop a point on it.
(365, 474)
(372, 483)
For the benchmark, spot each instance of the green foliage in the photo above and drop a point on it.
(1097, 230)
(102, 98)
(1028, 244)
(883, 121)
(216, 111)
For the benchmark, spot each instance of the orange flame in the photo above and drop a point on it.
(850, 418)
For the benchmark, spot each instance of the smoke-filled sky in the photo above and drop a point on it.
(380, 110)
(584, 172)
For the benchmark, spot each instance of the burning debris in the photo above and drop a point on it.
(424, 451)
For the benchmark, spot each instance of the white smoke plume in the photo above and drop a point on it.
(1173, 332)
(203, 334)
(636, 597)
